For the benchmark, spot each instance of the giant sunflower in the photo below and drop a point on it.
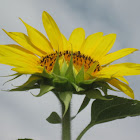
(81, 61)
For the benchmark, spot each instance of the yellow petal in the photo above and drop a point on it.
(77, 38)
(104, 46)
(52, 31)
(27, 70)
(11, 49)
(38, 39)
(116, 55)
(122, 87)
(118, 70)
(16, 52)
(17, 61)
(123, 80)
(25, 42)
(90, 43)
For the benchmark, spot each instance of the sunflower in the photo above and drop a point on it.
(80, 60)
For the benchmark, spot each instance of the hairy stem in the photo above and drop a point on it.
(66, 124)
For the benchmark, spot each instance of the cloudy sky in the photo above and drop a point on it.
(21, 114)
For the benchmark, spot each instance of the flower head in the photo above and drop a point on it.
(74, 64)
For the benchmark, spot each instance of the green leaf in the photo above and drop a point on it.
(30, 84)
(44, 89)
(56, 68)
(80, 76)
(69, 73)
(109, 110)
(95, 94)
(65, 98)
(54, 118)
(117, 108)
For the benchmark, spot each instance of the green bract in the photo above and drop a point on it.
(64, 82)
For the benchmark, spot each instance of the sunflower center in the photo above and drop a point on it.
(78, 60)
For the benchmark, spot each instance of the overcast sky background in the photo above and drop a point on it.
(21, 114)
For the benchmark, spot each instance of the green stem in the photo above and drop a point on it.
(84, 131)
(66, 124)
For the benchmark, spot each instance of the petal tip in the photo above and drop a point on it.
(20, 19)
(132, 96)
(23, 22)
(101, 33)
(114, 35)
(44, 13)
(4, 30)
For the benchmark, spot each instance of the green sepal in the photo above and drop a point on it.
(60, 83)
(12, 79)
(77, 88)
(69, 73)
(59, 79)
(31, 83)
(45, 74)
(104, 89)
(56, 68)
(91, 70)
(64, 67)
(11, 75)
(84, 104)
(88, 82)
(65, 97)
(54, 118)
(44, 88)
(95, 94)
(105, 85)
(80, 76)
(109, 87)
